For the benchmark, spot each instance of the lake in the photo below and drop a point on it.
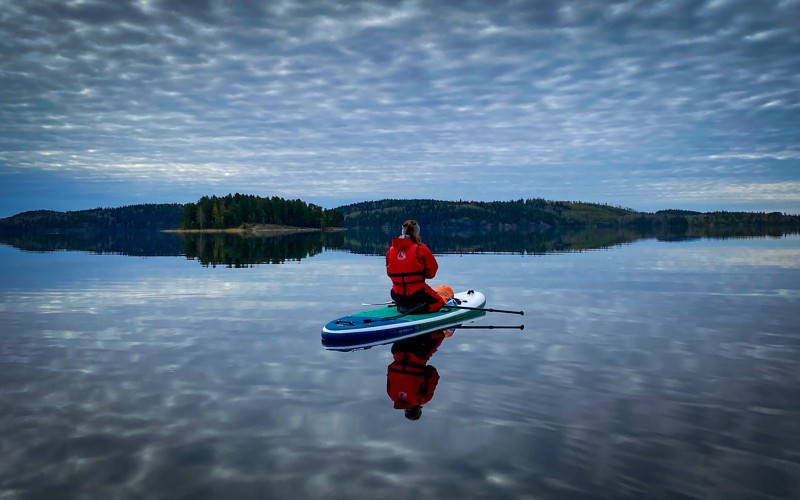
(646, 369)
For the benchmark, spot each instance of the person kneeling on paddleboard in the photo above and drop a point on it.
(409, 263)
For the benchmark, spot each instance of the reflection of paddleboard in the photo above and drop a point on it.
(387, 324)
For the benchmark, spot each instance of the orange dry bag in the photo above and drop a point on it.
(445, 291)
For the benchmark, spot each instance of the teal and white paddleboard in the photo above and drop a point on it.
(387, 324)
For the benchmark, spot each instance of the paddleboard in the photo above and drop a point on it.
(386, 324)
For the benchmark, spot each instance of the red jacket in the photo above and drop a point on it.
(409, 264)
(410, 380)
(409, 385)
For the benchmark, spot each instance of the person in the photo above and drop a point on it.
(409, 263)
(410, 380)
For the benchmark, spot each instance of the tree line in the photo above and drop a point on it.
(532, 214)
(523, 213)
(538, 213)
(151, 217)
(234, 210)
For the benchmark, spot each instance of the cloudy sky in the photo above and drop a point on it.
(643, 104)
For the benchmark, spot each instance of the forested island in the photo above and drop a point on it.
(248, 212)
(239, 210)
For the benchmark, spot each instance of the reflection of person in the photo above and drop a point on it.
(410, 381)
(409, 263)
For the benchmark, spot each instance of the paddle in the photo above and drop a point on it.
(521, 313)
(405, 313)
(488, 327)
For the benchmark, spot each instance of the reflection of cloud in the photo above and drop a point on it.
(711, 258)
(290, 97)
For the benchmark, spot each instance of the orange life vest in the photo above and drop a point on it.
(405, 269)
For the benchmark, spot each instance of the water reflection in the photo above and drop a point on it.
(135, 243)
(538, 242)
(236, 251)
(411, 381)
(643, 372)
(232, 250)
(229, 250)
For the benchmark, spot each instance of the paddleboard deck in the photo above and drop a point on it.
(386, 324)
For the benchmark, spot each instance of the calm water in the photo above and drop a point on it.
(654, 369)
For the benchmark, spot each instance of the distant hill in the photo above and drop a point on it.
(209, 212)
(132, 217)
(534, 214)
(528, 213)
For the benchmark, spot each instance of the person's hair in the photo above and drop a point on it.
(411, 229)
(414, 412)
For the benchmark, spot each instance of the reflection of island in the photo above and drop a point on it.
(232, 250)
(411, 381)
(140, 243)
(373, 241)
(236, 250)
(229, 250)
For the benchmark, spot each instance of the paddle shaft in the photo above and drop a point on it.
(521, 313)
(488, 327)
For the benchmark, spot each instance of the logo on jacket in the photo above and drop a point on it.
(401, 255)
(403, 395)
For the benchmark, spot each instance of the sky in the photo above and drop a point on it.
(642, 104)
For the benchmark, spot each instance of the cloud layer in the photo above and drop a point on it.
(629, 102)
